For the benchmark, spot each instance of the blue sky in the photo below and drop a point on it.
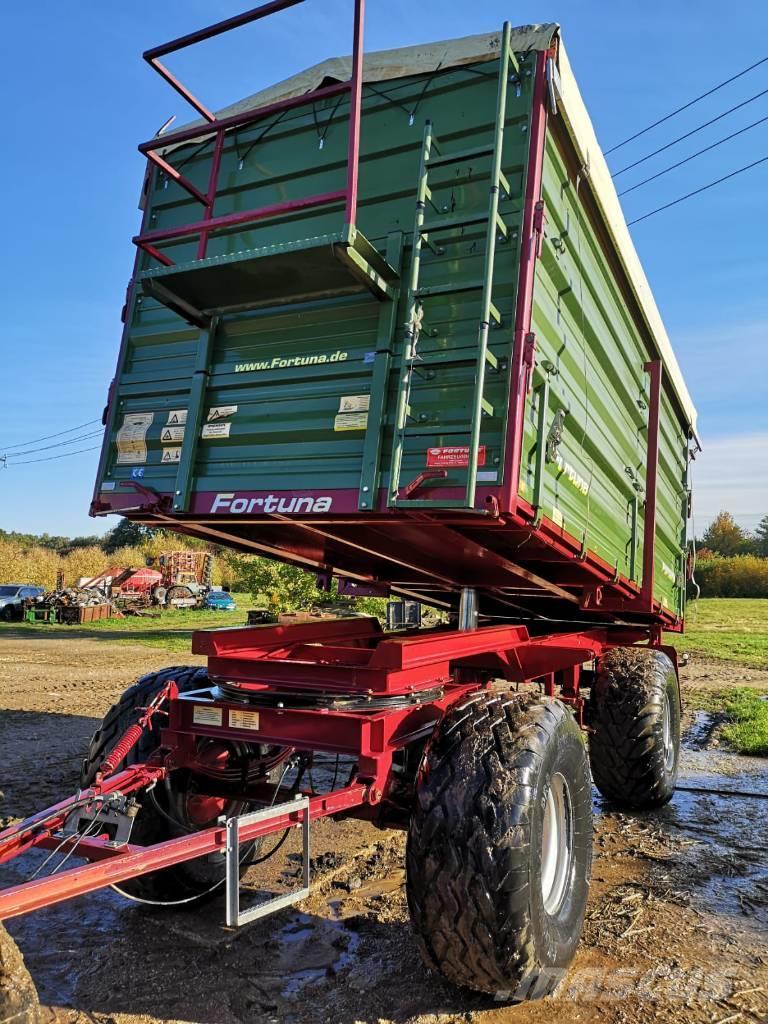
(78, 98)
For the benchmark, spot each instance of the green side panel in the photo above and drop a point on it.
(291, 378)
(595, 425)
(287, 367)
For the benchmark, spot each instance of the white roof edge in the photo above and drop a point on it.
(383, 65)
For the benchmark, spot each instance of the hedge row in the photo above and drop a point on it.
(740, 576)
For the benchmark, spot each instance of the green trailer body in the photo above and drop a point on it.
(458, 389)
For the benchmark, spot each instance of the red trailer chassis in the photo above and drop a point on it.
(342, 687)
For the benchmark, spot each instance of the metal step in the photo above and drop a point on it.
(235, 916)
(462, 220)
(458, 220)
(459, 156)
(449, 289)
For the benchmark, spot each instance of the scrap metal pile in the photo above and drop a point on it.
(70, 605)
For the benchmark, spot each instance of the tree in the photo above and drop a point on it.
(126, 535)
(761, 538)
(725, 537)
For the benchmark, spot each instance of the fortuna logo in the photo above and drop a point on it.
(240, 506)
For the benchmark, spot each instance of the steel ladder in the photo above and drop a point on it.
(432, 158)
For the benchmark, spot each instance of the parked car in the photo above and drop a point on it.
(220, 601)
(12, 598)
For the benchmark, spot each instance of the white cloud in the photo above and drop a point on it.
(732, 474)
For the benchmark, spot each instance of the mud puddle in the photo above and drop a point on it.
(719, 812)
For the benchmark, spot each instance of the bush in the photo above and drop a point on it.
(740, 576)
(285, 588)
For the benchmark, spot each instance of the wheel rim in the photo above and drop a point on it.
(556, 844)
(667, 735)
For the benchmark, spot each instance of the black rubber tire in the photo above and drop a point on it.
(474, 851)
(9, 613)
(191, 880)
(632, 688)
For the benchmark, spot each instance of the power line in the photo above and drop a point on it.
(59, 444)
(685, 106)
(51, 458)
(60, 433)
(693, 156)
(687, 135)
(697, 191)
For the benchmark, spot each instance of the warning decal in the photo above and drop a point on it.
(177, 417)
(131, 438)
(354, 403)
(351, 421)
(170, 455)
(216, 430)
(221, 412)
(457, 455)
(171, 435)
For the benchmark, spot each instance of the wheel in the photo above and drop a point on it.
(8, 613)
(177, 594)
(18, 995)
(634, 716)
(159, 595)
(172, 809)
(499, 848)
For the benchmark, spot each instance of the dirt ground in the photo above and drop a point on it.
(676, 929)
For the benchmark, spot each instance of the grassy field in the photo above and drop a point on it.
(733, 629)
(747, 729)
(171, 630)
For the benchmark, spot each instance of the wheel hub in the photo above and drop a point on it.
(556, 844)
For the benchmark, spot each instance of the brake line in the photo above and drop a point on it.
(221, 881)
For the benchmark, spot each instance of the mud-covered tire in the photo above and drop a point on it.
(18, 995)
(124, 713)
(188, 881)
(482, 913)
(634, 717)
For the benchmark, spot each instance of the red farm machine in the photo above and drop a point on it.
(420, 357)
(175, 579)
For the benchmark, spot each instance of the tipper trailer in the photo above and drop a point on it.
(387, 324)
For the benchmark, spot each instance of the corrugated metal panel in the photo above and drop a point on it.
(591, 351)
(283, 432)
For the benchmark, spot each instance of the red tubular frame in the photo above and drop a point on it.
(432, 669)
(219, 126)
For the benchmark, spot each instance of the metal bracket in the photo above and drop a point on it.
(235, 916)
(115, 816)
